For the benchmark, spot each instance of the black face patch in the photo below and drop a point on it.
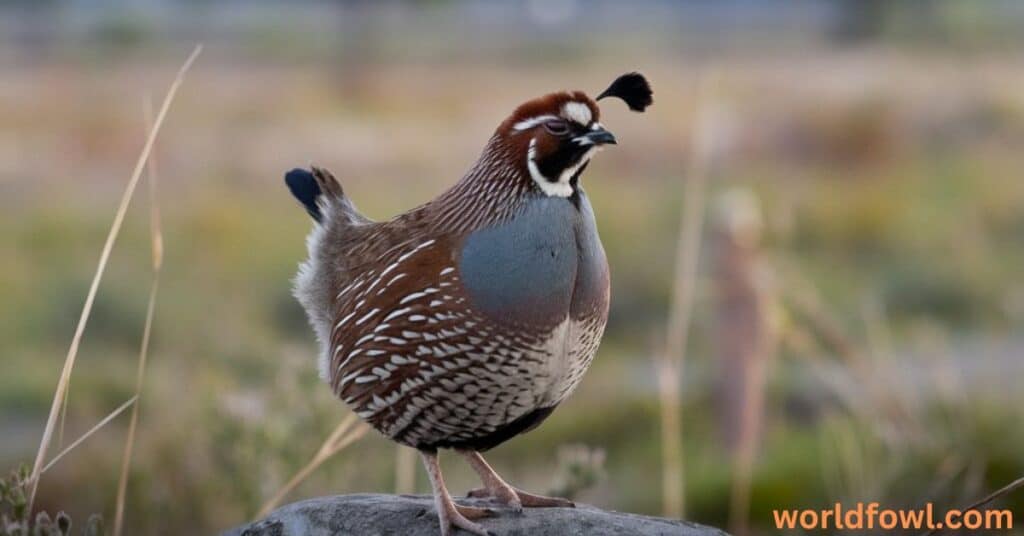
(567, 154)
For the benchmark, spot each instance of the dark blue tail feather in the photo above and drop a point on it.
(305, 188)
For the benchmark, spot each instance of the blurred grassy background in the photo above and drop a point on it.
(879, 142)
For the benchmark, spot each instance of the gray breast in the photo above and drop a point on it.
(592, 279)
(536, 268)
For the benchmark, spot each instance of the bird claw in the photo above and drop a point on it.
(504, 497)
(473, 512)
(459, 517)
(517, 499)
(530, 500)
(478, 493)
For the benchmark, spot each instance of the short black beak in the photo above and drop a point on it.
(600, 137)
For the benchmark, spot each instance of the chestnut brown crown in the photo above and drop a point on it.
(554, 136)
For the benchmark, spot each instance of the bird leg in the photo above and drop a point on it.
(495, 487)
(449, 513)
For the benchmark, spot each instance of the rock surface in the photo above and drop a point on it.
(413, 515)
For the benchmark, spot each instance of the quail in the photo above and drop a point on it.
(465, 321)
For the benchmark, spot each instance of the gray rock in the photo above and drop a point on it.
(413, 515)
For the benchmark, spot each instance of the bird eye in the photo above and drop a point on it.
(557, 128)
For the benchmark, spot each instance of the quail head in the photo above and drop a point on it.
(465, 321)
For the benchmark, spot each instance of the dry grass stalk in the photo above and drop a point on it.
(405, 470)
(803, 301)
(343, 436)
(670, 363)
(120, 409)
(1005, 490)
(671, 440)
(115, 228)
(883, 400)
(156, 241)
(63, 418)
(879, 345)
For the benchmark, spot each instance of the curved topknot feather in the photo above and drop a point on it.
(632, 88)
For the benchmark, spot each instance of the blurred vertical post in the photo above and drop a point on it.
(405, 470)
(670, 362)
(744, 336)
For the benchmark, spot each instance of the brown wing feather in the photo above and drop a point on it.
(408, 352)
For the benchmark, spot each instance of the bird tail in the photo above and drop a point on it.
(320, 193)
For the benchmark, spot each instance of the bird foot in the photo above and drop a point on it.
(459, 517)
(518, 499)
(473, 512)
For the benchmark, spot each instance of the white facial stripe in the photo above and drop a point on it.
(568, 172)
(596, 126)
(527, 124)
(561, 188)
(577, 111)
(556, 189)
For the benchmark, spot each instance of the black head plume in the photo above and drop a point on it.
(632, 88)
